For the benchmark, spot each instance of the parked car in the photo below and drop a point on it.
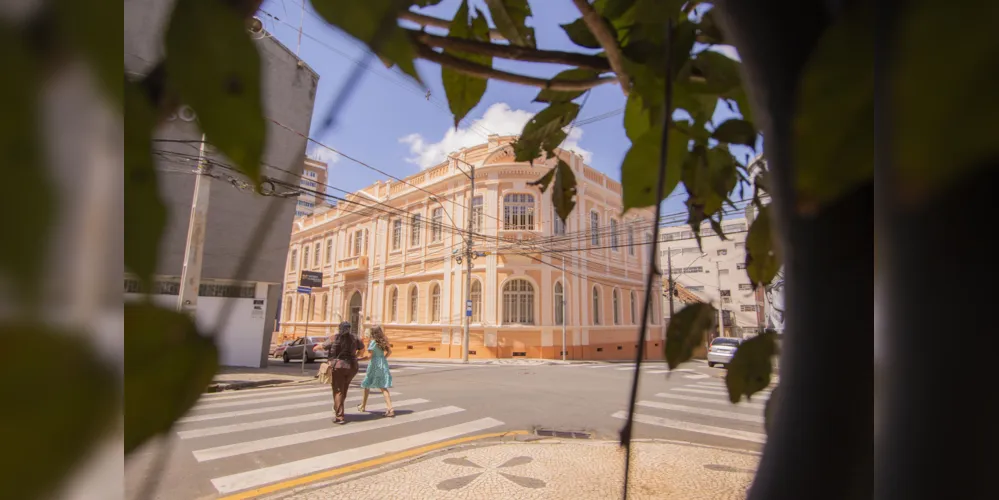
(721, 350)
(295, 349)
(278, 349)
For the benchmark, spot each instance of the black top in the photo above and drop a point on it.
(343, 346)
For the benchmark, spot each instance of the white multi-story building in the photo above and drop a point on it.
(314, 176)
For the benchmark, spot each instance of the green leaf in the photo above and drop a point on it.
(738, 95)
(374, 23)
(709, 178)
(545, 131)
(613, 9)
(564, 192)
(145, 215)
(510, 17)
(835, 104)
(638, 118)
(686, 332)
(575, 74)
(763, 258)
(464, 92)
(735, 131)
(580, 34)
(215, 68)
(52, 417)
(709, 28)
(25, 231)
(640, 169)
(168, 364)
(751, 366)
(544, 181)
(721, 74)
(84, 25)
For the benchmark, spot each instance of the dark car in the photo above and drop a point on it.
(295, 349)
(278, 349)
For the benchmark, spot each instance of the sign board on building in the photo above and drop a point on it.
(258, 309)
(305, 289)
(468, 308)
(313, 279)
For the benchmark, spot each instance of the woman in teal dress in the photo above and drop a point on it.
(378, 375)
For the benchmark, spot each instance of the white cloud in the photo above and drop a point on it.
(498, 119)
(319, 153)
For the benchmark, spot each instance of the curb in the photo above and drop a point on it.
(250, 384)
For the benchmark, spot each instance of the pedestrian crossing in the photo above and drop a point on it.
(701, 408)
(257, 437)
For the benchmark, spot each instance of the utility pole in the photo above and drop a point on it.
(468, 266)
(305, 339)
(190, 276)
(721, 302)
(564, 318)
(669, 279)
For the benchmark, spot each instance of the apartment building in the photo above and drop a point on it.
(314, 176)
(394, 263)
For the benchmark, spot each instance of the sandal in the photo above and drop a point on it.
(339, 421)
(360, 408)
(390, 413)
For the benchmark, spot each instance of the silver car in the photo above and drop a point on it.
(306, 345)
(721, 350)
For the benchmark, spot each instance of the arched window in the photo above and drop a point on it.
(300, 313)
(615, 303)
(305, 257)
(559, 303)
(326, 304)
(312, 308)
(318, 255)
(476, 297)
(518, 211)
(518, 302)
(414, 230)
(596, 306)
(294, 260)
(394, 305)
(631, 240)
(287, 309)
(435, 304)
(594, 229)
(414, 304)
(613, 234)
(437, 224)
(478, 215)
(633, 320)
(396, 234)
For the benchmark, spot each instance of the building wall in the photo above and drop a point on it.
(358, 257)
(314, 176)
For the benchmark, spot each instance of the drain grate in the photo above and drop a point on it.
(562, 434)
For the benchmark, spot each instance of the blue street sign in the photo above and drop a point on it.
(305, 289)
(468, 308)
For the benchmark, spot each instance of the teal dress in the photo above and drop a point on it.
(377, 375)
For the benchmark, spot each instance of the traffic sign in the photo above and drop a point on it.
(305, 289)
(468, 308)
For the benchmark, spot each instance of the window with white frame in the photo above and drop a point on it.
(596, 306)
(326, 304)
(652, 309)
(632, 308)
(594, 228)
(318, 255)
(518, 302)
(723, 272)
(722, 252)
(631, 240)
(305, 256)
(478, 215)
(437, 225)
(414, 230)
(518, 211)
(745, 286)
(293, 265)
(329, 251)
(396, 234)
(394, 305)
(615, 303)
(476, 298)
(559, 304)
(414, 304)
(435, 304)
(558, 225)
(613, 234)
(747, 308)
(358, 242)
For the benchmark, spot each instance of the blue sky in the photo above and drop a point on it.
(390, 124)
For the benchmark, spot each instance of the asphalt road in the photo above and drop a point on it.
(239, 440)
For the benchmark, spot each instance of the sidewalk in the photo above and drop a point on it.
(549, 468)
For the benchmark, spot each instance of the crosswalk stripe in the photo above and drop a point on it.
(253, 393)
(756, 419)
(320, 392)
(628, 368)
(316, 435)
(656, 372)
(681, 397)
(598, 367)
(696, 376)
(721, 387)
(266, 475)
(754, 437)
(263, 424)
(266, 409)
(702, 390)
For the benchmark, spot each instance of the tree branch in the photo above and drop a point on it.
(436, 22)
(512, 51)
(473, 69)
(606, 39)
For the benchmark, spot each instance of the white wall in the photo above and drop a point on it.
(240, 340)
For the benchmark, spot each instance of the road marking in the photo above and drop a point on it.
(626, 368)
(754, 437)
(656, 372)
(696, 376)
(328, 392)
(267, 409)
(259, 477)
(311, 436)
(263, 424)
(756, 419)
(726, 402)
(702, 390)
(598, 367)
(721, 387)
(247, 394)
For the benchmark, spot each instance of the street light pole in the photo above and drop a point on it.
(669, 279)
(564, 318)
(190, 275)
(721, 301)
(468, 265)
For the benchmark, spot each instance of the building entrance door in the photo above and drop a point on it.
(355, 313)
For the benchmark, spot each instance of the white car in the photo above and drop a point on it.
(722, 349)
